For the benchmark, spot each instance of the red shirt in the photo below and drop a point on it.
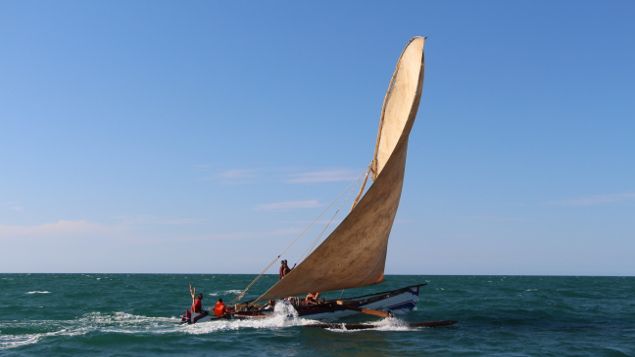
(197, 306)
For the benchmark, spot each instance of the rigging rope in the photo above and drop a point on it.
(337, 198)
(319, 237)
(262, 272)
(361, 189)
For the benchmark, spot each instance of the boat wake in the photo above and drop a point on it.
(118, 322)
(124, 323)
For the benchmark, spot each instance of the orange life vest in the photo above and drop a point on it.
(219, 309)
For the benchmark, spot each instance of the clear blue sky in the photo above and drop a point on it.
(200, 136)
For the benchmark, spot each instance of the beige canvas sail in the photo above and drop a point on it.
(354, 254)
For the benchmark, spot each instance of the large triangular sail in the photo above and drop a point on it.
(354, 254)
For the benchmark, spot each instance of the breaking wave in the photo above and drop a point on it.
(284, 315)
(37, 292)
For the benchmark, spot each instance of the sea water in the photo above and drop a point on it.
(138, 314)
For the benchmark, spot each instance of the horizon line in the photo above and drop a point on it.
(275, 274)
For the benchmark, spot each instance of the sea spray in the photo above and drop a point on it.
(386, 324)
(284, 315)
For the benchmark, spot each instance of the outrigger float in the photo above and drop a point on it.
(354, 254)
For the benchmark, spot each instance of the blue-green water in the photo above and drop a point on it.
(137, 314)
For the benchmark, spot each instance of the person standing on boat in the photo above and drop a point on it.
(197, 306)
(284, 269)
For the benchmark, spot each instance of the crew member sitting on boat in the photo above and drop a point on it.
(312, 298)
(219, 308)
(270, 306)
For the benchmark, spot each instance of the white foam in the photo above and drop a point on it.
(284, 315)
(37, 292)
(387, 324)
(393, 324)
(122, 322)
(233, 291)
(13, 341)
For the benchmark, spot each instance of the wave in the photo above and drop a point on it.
(225, 292)
(37, 292)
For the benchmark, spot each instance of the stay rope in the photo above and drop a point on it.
(337, 198)
(318, 239)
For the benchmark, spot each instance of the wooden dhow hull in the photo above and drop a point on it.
(394, 301)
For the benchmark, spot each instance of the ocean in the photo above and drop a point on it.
(138, 314)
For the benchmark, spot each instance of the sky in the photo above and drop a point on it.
(205, 136)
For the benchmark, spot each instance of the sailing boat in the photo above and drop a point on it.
(354, 254)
